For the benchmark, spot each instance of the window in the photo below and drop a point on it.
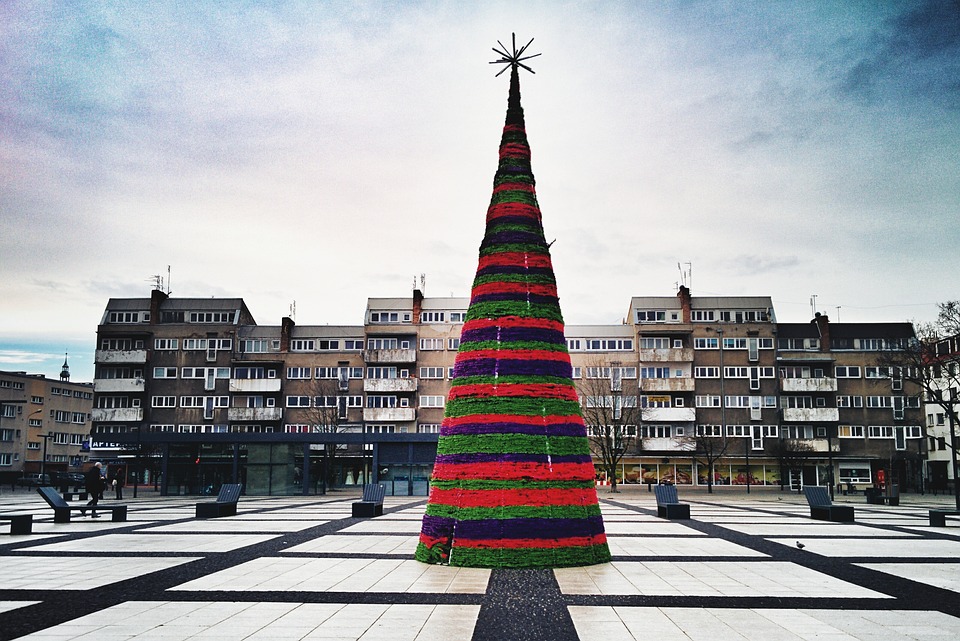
(6, 459)
(706, 343)
(850, 431)
(796, 402)
(711, 431)
(574, 345)
(338, 372)
(609, 345)
(298, 401)
(116, 344)
(880, 431)
(381, 401)
(734, 343)
(453, 344)
(164, 401)
(847, 371)
(388, 317)
(879, 401)
(382, 372)
(797, 431)
(431, 344)
(353, 345)
(876, 372)
(250, 373)
(431, 372)
(125, 317)
(651, 315)
(706, 372)
(211, 317)
(254, 346)
(166, 343)
(383, 343)
(654, 372)
(432, 317)
(707, 401)
(849, 401)
(327, 345)
(703, 315)
(78, 418)
(431, 401)
(301, 345)
(164, 372)
(298, 372)
(428, 428)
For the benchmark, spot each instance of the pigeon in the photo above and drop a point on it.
(800, 545)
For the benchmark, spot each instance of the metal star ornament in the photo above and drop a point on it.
(514, 59)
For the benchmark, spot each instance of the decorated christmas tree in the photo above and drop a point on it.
(513, 483)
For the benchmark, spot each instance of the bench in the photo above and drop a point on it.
(19, 523)
(668, 503)
(823, 509)
(62, 509)
(371, 503)
(225, 505)
(938, 518)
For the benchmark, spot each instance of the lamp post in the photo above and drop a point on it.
(43, 463)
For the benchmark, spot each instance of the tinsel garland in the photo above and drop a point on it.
(514, 443)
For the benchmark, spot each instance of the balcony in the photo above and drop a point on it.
(811, 415)
(671, 444)
(117, 415)
(118, 385)
(390, 356)
(667, 385)
(808, 384)
(382, 385)
(243, 385)
(248, 414)
(669, 414)
(388, 414)
(114, 356)
(668, 355)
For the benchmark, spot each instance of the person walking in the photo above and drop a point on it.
(93, 483)
(117, 483)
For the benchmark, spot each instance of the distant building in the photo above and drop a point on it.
(199, 393)
(40, 415)
(942, 428)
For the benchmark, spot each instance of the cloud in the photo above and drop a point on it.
(23, 357)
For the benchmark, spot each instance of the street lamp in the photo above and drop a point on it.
(43, 463)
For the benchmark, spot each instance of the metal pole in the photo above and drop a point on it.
(953, 447)
(749, 438)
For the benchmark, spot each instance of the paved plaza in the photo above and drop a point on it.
(301, 568)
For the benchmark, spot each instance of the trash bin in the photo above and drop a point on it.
(873, 496)
(893, 494)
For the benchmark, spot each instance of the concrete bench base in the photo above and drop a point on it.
(19, 523)
(117, 512)
(938, 518)
(837, 513)
(673, 511)
(367, 509)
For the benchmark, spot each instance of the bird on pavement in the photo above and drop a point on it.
(800, 545)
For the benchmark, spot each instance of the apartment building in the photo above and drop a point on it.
(44, 424)
(943, 389)
(203, 394)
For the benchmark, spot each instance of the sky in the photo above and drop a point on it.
(327, 152)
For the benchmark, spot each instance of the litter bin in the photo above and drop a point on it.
(873, 495)
(893, 494)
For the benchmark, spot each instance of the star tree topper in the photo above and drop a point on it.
(514, 59)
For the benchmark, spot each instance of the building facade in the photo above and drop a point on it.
(45, 424)
(199, 393)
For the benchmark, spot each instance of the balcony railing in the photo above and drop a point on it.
(248, 414)
(390, 356)
(382, 385)
(118, 385)
(811, 415)
(669, 414)
(666, 355)
(254, 385)
(667, 384)
(808, 384)
(117, 414)
(389, 414)
(112, 356)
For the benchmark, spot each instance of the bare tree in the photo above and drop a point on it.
(708, 449)
(612, 418)
(791, 454)
(327, 414)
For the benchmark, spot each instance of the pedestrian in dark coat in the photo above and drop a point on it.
(94, 484)
(117, 482)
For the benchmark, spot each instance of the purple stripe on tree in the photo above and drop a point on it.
(522, 528)
(466, 459)
(560, 429)
(504, 366)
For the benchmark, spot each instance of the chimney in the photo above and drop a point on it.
(823, 326)
(684, 295)
(286, 328)
(157, 297)
(417, 305)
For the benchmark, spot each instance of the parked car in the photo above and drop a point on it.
(68, 478)
(34, 480)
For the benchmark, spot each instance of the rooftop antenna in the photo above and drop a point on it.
(169, 279)
(423, 282)
(157, 281)
(686, 276)
(838, 313)
(293, 310)
(813, 305)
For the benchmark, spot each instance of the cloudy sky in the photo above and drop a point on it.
(325, 152)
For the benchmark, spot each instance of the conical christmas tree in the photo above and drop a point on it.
(513, 483)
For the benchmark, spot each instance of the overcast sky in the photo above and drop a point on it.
(328, 152)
